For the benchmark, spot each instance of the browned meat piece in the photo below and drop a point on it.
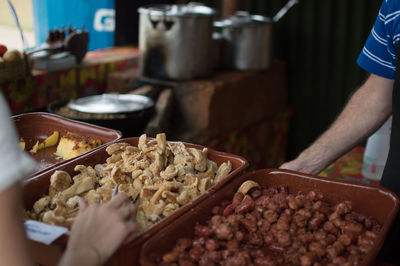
(196, 252)
(271, 216)
(211, 244)
(317, 249)
(316, 221)
(307, 259)
(335, 249)
(223, 232)
(283, 222)
(202, 230)
(247, 205)
(284, 238)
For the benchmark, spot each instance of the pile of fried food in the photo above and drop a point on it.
(270, 226)
(166, 174)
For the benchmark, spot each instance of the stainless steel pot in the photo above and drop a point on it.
(248, 39)
(175, 41)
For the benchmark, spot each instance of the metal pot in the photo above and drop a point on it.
(248, 39)
(130, 115)
(175, 41)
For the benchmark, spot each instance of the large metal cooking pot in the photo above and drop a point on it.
(175, 41)
(248, 39)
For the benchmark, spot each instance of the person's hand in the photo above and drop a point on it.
(305, 166)
(291, 165)
(99, 230)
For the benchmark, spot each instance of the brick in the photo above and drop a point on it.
(163, 111)
(227, 102)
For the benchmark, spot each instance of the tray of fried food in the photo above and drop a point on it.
(171, 178)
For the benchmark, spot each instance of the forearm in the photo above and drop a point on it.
(367, 109)
(80, 256)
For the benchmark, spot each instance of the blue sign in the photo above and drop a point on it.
(97, 16)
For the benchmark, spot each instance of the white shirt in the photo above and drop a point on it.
(15, 164)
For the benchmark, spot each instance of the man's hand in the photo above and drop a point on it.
(301, 164)
(99, 230)
(367, 110)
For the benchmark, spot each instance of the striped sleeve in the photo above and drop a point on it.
(378, 56)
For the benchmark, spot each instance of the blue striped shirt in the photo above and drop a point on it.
(379, 53)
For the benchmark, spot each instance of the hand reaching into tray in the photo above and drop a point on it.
(99, 230)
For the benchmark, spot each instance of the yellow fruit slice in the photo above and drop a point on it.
(49, 142)
(52, 140)
(22, 144)
(35, 147)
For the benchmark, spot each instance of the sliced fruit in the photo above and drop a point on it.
(52, 140)
(36, 147)
(49, 142)
(22, 144)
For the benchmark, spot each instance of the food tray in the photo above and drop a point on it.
(36, 187)
(365, 199)
(34, 127)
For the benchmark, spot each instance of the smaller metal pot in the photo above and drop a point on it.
(248, 39)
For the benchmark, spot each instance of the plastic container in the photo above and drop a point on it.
(334, 191)
(98, 17)
(376, 152)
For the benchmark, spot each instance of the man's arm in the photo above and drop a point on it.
(367, 109)
(13, 247)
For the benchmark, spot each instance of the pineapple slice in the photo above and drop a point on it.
(49, 142)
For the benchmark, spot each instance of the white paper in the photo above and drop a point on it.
(42, 232)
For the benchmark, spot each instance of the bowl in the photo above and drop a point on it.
(364, 197)
(130, 124)
(36, 187)
(38, 126)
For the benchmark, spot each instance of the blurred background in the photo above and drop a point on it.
(319, 40)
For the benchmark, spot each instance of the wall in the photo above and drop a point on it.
(321, 40)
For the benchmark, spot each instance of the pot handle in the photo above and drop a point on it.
(167, 23)
(284, 10)
(153, 22)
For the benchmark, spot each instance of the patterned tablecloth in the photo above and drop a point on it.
(36, 91)
(348, 167)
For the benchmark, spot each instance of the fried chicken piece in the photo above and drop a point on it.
(199, 158)
(78, 188)
(41, 204)
(223, 171)
(117, 148)
(59, 181)
(84, 171)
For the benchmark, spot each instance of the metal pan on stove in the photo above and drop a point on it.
(126, 112)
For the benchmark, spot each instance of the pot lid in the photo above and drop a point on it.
(111, 103)
(190, 9)
(243, 18)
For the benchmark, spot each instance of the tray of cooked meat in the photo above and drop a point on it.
(278, 217)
